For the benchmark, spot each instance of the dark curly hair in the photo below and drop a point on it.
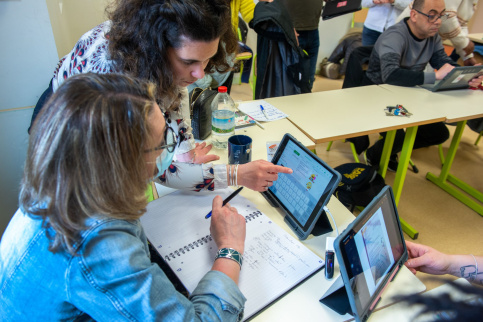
(143, 30)
(446, 307)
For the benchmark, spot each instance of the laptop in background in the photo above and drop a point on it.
(457, 78)
(335, 8)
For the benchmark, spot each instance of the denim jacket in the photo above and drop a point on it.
(111, 279)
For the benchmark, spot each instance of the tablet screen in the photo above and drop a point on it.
(371, 249)
(304, 192)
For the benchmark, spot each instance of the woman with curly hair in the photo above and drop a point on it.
(75, 249)
(171, 43)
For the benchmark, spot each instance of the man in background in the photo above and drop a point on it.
(455, 28)
(400, 56)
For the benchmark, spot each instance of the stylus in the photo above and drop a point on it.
(227, 200)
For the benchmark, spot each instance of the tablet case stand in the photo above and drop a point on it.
(336, 298)
(322, 226)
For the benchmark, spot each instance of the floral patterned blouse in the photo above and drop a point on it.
(90, 54)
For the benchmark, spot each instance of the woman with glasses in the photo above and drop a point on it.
(171, 43)
(75, 249)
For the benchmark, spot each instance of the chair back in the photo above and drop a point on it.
(242, 30)
(355, 71)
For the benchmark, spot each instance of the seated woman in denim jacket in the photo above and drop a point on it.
(75, 249)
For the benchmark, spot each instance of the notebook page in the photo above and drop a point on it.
(274, 261)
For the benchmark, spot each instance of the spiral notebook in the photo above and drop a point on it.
(274, 262)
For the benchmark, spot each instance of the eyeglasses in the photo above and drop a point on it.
(170, 141)
(434, 18)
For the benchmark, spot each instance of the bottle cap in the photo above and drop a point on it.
(222, 89)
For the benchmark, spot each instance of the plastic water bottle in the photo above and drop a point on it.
(222, 118)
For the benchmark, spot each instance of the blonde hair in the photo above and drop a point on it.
(85, 155)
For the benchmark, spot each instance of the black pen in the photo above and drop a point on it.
(227, 200)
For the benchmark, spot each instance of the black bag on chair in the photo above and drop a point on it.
(359, 185)
(200, 112)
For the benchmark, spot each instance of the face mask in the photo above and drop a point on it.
(163, 161)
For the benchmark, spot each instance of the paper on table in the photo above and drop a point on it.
(253, 109)
(273, 261)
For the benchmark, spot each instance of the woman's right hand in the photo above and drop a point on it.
(228, 227)
(259, 175)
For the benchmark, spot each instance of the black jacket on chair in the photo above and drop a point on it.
(355, 74)
(282, 66)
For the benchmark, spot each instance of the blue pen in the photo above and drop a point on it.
(264, 113)
(227, 200)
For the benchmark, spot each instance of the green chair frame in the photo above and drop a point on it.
(478, 138)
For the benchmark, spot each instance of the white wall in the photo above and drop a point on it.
(330, 32)
(27, 60)
(72, 18)
(37, 33)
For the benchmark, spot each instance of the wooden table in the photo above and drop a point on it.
(457, 106)
(477, 38)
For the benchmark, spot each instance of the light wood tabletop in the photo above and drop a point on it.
(345, 113)
(477, 38)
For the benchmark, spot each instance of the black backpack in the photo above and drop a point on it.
(200, 112)
(360, 183)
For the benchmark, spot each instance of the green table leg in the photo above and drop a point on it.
(445, 178)
(413, 233)
(386, 152)
(402, 168)
(466, 188)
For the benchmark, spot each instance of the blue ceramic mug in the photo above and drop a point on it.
(239, 149)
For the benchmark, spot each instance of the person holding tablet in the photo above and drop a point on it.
(428, 260)
(400, 56)
(75, 249)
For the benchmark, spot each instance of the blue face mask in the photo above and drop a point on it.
(163, 161)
